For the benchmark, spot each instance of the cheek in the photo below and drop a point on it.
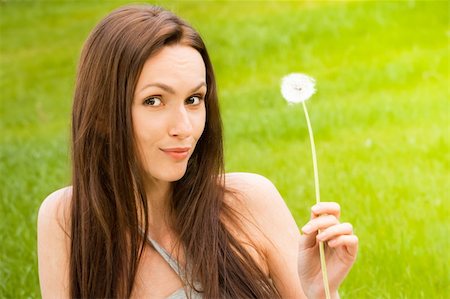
(200, 122)
(140, 145)
(146, 126)
(145, 132)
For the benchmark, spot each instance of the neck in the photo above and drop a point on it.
(158, 198)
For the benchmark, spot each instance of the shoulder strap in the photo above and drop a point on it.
(167, 257)
(173, 263)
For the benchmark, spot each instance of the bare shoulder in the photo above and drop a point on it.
(55, 206)
(259, 196)
(54, 243)
(57, 198)
(280, 235)
(257, 192)
(246, 179)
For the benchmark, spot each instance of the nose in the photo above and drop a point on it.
(181, 125)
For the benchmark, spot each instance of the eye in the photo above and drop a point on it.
(193, 100)
(153, 101)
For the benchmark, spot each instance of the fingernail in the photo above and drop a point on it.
(320, 237)
(315, 208)
(307, 229)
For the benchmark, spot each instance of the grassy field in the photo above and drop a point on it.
(380, 116)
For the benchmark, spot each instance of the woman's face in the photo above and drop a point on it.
(169, 112)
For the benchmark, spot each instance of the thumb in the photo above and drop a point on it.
(307, 237)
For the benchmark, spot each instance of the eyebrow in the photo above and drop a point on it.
(169, 89)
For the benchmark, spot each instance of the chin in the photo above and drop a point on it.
(170, 175)
(175, 178)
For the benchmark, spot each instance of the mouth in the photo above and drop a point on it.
(177, 153)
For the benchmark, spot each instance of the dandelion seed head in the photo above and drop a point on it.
(297, 88)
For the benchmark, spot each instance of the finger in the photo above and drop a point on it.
(307, 241)
(335, 231)
(321, 223)
(350, 242)
(331, 208)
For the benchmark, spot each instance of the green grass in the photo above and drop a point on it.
(380, 118)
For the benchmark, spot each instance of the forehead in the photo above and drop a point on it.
(174, 65)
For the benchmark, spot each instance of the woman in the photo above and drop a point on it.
(150, 213)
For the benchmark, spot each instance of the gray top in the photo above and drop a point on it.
(181, 293)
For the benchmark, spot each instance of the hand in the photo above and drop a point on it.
(341, 247)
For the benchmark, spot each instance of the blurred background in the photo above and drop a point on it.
(380, 118)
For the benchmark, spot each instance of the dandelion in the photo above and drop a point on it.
(297, 88)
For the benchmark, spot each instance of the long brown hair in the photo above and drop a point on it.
(109, 205)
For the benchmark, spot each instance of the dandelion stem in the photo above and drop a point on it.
(316, 184)
(314, 156)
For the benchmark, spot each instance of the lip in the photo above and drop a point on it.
(177, 153)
